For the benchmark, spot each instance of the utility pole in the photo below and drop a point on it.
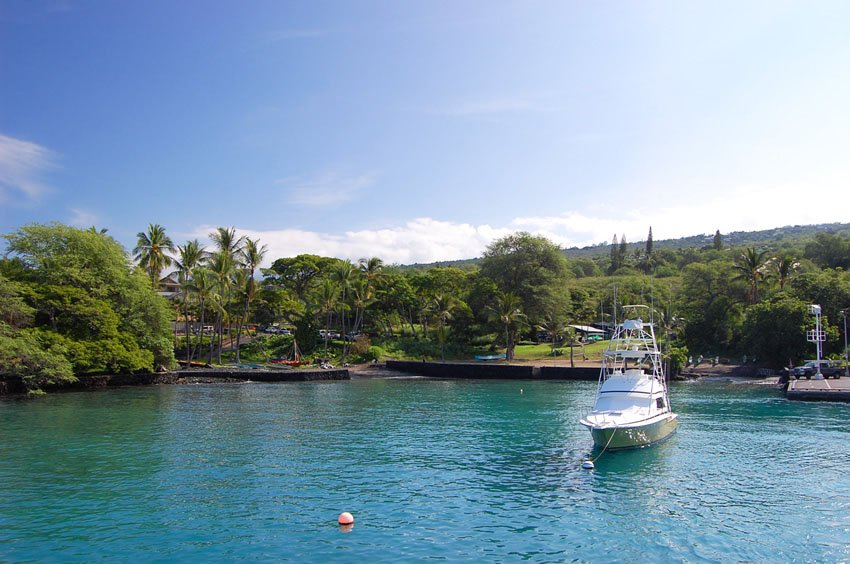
(846, 351)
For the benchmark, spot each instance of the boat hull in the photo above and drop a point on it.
(637, 436)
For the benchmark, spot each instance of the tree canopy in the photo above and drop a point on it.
(86, 302)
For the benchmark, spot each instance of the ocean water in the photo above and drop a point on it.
(430, 469)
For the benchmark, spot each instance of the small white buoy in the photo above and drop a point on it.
(587, 465)
(520, 390)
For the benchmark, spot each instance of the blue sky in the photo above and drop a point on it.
(420, 131)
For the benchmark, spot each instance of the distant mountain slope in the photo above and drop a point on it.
(776, 236)
(787, 235)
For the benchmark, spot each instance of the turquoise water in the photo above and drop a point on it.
(430, 469)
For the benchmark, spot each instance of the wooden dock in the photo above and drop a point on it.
(819, 390)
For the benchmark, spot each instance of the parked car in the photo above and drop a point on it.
(828, 368)
(325, 333)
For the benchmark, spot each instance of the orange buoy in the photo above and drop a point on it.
(346, 518)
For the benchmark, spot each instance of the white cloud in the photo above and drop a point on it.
(421, 240)
(744, 208)
(21, 163)
(326, 190)
(426, 240)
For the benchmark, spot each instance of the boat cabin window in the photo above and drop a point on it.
(659, 403)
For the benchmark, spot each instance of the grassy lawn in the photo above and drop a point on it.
(542, 352)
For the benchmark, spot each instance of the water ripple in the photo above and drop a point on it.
(432, 470)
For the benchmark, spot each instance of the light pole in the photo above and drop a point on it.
(846, 351)
(816, 336)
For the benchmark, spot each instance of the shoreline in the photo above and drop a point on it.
(559, 369)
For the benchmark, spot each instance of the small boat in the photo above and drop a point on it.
(632, 408)
(294, 359)
(486, 357)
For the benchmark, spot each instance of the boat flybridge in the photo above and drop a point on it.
(632, 408)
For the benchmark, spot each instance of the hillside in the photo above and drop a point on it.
(789, 235)
(779, 236)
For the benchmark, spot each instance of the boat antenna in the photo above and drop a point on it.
(651, 301)
(615, 305)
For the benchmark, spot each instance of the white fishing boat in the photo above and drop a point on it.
(632, 408)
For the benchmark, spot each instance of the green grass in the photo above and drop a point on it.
(543, 351)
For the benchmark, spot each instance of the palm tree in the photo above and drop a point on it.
(202, 285)
(151, 249)
(252, 255)
(371, 269)
(784, 267)
(222, 268)
(752, 265)
(328, 296)
(224, 263)
(443, 307)
(226, 241)
(343, 276)
(508, 312)
(557, 329)
(190, 256)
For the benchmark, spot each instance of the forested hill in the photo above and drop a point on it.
(779, 237)
(790, 235)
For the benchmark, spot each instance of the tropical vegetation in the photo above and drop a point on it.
(73, 303)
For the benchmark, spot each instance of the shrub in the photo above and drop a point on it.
(375, 353)
(678, 356)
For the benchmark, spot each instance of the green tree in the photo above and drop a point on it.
(398, 298)
(252, 255)
(558, 330)
(343, 275)
(151, 251)
(88, 302)
(190, 256)
(442, 307)
(203, 286)
(14, 311)
(328, 297)
(615, 256)
(710, 306)
(508, 312)
(775, 331)
(831, 290)
(718, 241)
(784, 267)
(23, 356)
(751, 266)
(299, 274)
(371, 269)
(531, 268)
(223, 268)
(829, 250)
(623, 250)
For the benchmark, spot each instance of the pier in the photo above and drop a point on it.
(487, 371)
(819, 390)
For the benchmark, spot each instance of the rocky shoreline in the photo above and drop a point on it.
(10, 385)
(462, 370)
